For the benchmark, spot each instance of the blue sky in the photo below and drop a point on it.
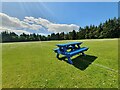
(78, 13)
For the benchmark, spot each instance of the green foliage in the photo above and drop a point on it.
(109, 29)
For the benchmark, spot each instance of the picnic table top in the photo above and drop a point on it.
(67, 44)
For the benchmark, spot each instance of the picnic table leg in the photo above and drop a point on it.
(57, 55)
(83, 54)
(69, 60)
(78, 45)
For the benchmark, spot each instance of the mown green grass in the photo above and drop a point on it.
(34, 65)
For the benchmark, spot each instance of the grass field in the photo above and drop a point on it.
(34, 65)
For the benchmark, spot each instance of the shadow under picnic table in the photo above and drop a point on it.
(81, 62)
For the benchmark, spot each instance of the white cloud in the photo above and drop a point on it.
(13, 30)
(12, 22)
(30, 23)
(62, 27)
(44, 22)
(52, 27)
(29, 19)
(42, 34)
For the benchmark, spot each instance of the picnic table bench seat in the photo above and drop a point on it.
(74, 48)
(77, 51)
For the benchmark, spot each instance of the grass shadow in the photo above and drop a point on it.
(81, 62)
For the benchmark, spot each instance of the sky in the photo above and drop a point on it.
(48, 17)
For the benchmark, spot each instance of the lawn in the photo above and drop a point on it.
(34, 65)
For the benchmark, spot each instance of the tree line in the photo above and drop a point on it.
(109, 29)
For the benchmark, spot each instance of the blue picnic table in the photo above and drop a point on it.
(70, 49)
